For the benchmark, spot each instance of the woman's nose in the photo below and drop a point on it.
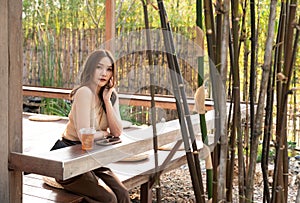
(103, 71)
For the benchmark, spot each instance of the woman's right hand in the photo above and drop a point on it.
(101, 134)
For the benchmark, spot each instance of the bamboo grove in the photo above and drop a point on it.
(255, 48)
(273, 79)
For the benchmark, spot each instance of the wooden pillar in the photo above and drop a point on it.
(146, 193)
(110, 25)
(11, 97)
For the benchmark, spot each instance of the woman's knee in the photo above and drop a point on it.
(122, 195)
(109, 198)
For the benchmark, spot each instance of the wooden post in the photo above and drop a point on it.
(11, 97)
(146, 193)
(4, 189)
(110, 25)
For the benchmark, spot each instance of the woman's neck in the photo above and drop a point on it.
(95, 88)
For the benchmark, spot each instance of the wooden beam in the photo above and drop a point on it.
(47, 92)
(15, 57)
(162, 101)
(4, 103)
(11, 97)
(110, 24)
(15, 75)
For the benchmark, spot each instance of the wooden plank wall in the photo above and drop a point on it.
(59, 64)
(11, 97)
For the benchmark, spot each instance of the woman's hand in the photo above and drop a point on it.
(112, 112)
(100, 135)
(107, 94)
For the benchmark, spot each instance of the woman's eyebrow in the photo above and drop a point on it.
(102, 64)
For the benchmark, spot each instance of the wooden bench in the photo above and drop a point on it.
(69, 162)
(35, 190)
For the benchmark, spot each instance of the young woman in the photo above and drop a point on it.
(95, 104)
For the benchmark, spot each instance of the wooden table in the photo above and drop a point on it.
(68, 162)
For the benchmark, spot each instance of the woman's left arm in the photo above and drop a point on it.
(113, 113)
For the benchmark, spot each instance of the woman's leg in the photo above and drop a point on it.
(87, 185)
(111, 180)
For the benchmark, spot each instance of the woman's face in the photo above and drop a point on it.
(103, 72)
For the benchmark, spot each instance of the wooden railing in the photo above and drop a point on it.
(131, 99)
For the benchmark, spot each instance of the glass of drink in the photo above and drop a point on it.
(87, 138)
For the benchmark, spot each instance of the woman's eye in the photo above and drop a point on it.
(109, 69)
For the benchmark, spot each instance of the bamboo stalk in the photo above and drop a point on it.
(277, 172)
(236, 111)
(266, 138)
(246, 99)
(210, 37)
(183, 111)
(260, 107)
(231, 148)
(281, 153)
(220, 15)
(153, 109)
(269, 107)
(232, 142)
(290, 60)
(224, 44)
(203, 127)
(298, 194)
(252, 73)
